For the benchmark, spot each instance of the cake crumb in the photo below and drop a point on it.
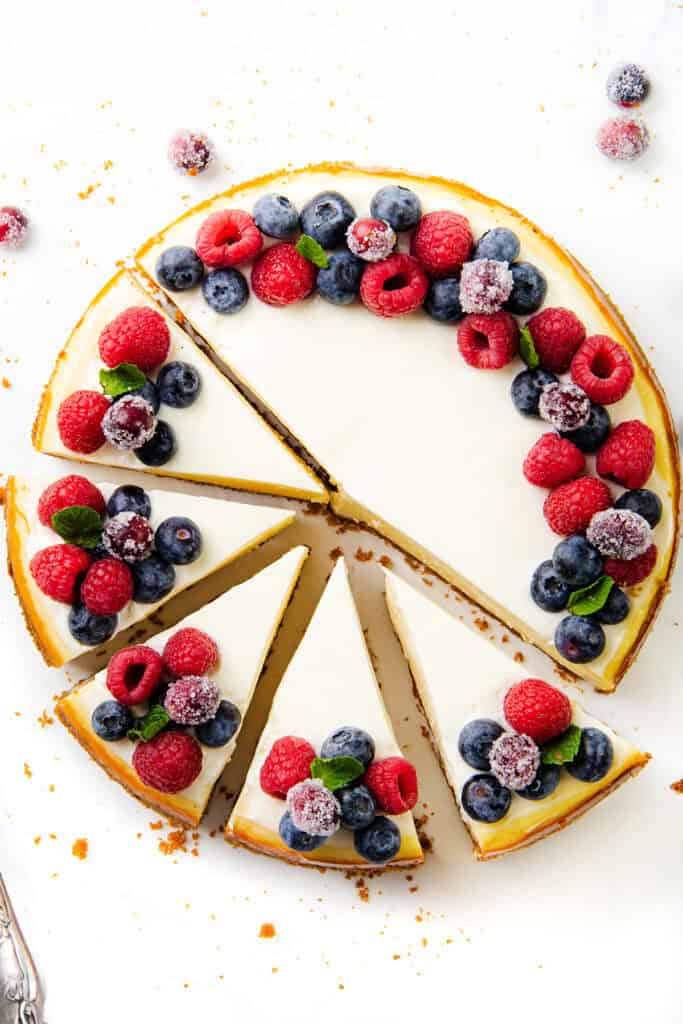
(386, 562)
(44, 719)
(6, 383)
(174, 842)
(155, 825)
(36, 840)
(88, 191)
(27, 771)
(677, 786)
(80, 849)
(481, 623)
(363, 891)
(363, 556)
(267, 931)
(518, 657)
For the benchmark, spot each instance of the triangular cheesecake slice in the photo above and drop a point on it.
(242, 625)
(221, 532)
(329, 704)
(511, 790)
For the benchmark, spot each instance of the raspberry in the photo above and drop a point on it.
(190, 152)
(192, 700)
(281, 275)
(393, 783)
(138, 335)
(627, 573)
(623, 138)
(442, 241)
(228, 238)
(394, 286)
(133, 674)
(484, 286)
(565, 406)
(628, 454)
(552, 461)
(619, 533)
(488, 341)
(557, 333)
(627, 85)
(514, 760)
(603, 368)
(370, 238)
(288, 762)
(66, 492)
(107, 587)
(56, 570)
(129, 536)
(571, 506)
(313, 808)
(537, 709)
(190, 652)
(129, 423)
(170, 762)
(13, 226)
(79, 421)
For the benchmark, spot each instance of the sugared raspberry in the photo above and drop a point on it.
(288, 762)
(79, 421)
(192, 700)
(628, 454)
(370, 238)
(442, 241)
(129, 536)
(484, 286)
(623, 138)
(67, 492)
(619, 533)
(228, 238)
(393, 783)
(190, 152)
(133, 674)
(394, 286)
(571, 506)
(557, 334)
(138, 335)
(537, 709)
(488, 341)
(107, 587)
(170, 762)
(13, 226)
(56, 570)
(281, 275)
(603, 368)
(314, 809)
(190, 652)
(514, 760)
(629, 572)
(627, 85)
(565, 406)
(553, 460)
(129, 423)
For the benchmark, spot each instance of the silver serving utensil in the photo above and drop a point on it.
(21, 994)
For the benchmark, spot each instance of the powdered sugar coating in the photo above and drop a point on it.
(627, 85)
(192, 700)
(515, 760)
(485, 285)
(129, 423)
(13, 226)
(314, 809)
(191, 152)
(370, 238)
(129, 536)
(623, 138)
(565, 406)
(619, 533)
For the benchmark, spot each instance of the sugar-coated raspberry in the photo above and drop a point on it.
(288, 762)
(394, 286)
(603, 368)
(557, 334)
(628, 454)
(129, 423)
(488, 341)
(565, 406)
(484, 286)
(107, 587)
(138, 335)
(170, 762)
(192, 700)
(537, 709)
(56, 570)
(619, 533)
(313, 808)
(79, 421)
(133, 674)
(129, 536)
(228, 238)
(13, 226)
(67, 492)
(281, 275)
(571, 506)
(393, 783)
(627, 85)
(190, 152)
(553, 460)
(442, 241)
(370, 238)
(623, 138)
(515, 760)
(190, 652)
(629, 572)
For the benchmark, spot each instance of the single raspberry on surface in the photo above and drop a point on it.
(13, 226)
(190, 152)
(129, 536)
(393, 783)
(603, 369)
(515, 760)
(228, 238)
(170, 762)
(629, 572)
(190, 652)
(281, 275)
(442, 241)
(619, 533)
(107, 587)
(370, 238)
(56, 570)
(565, 406)
(553, 460)
(288, 762)
(557, 334)
(571, 506)
(393, 286)
(314, 809)
(192, 700)
(484, 286)
(138, 335)
(538, 709)
(623, 138)
(79, 421)
(133, 674)
(628, 454)
(488, 341)
(67, 492)
(129, 423)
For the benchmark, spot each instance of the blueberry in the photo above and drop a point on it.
(577, 561)
(484, 798)
(397, 205)
(111, 720)
(528, 289)
(179, 268)
(326, 218)
(129, 498)
(339, 281)
(379, 841)
(593, 434)
(527, 387)
(153, 578)
(160, 447)
(594, 758)
(276, 216)
(178, 540)
(443, 300)
(295, 838)
(225, 290)
(358, 807)
(615, 609)
(179, 384)
(99, 552)
(148, 391)
(646, 503)
(497, 244)
(220, 729)
(549, 590)
(579, 639)
(546, 782)
(347, 741)
(90, 629)
(475, 741)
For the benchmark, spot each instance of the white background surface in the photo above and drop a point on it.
(506, 97)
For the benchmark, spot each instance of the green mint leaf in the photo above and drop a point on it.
(335, 772)
(78, 524)
(591, 598)
(564, 748)
(312, 251)
(527, 349)
(147, 727)
(123, 378)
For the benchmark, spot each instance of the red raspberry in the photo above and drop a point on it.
(393, 783)
(628, 454)
(79, 421)
(393, 286)
(281, 275)
(56, 570)
(170, 762)
(571, 506)
(190, 652)
(488, 341)
(537, 709)
(13, 226)
(228, 238)
(603, 368)
(64, 493)
(623, 138)
(442, 241)
(107, 587)
(288, 762)
(553, 460)
(133, 674)
(138, 335)
(557, 334)
(635, 570)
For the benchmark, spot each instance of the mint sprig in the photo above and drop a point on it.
(121, 379)
(592, 598)
(527, 349)
(564, 748)
(335, 772)
(150, 725)
(312, 251)
(79, 525)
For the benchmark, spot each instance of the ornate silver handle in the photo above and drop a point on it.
(21, 995)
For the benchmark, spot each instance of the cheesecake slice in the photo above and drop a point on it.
(243, 624)
(328, 689)
(462, 681)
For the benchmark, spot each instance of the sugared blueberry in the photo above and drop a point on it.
(220, 729)
(549, 589)
(111, 720)
(579, 639)
(326, 218)
(577, 561)
(179, 268)
(339, 281)
(160, 447)
(225, 290)
(152, 579)
(276, 216)
(90, 629)
(370, 239)
(497, 244)
(148, 391)
(484, 285)
(627, 85)
(545, 782)
(615, 609)
(129, 423)
(484, 799)
(646, 503)
(348, 741)
(398, 205)
(594, 758)
(515, 758)
(593, 434)
(528, 289)
(619, 533)
(314, 809)
(443, 300)
(295, 839)
(564, 406)
(527, 387)
(178, 540)
(475, 742)
(379, 841)
(179, 384)
(358, 807)
(129, 498)
(129, 536)
(190, 152)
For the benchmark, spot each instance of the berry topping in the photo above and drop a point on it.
(497, 244)
(148, 391)
(577, 561)
(79, 421)
(537, 709)
(618, 533)
(579, 639)
(313, 808)
(179, 384)
(623, 138)
(129, 423)
(107, 587)
(178, 540)
(326, 218)
(627, 85)
(442, 241)
(288, 762)
(528, 289)
(484, 286)
(153, 579)
(370, 239)
(190, 652)
(133, 674)
(170, 762)
(190, 152)
(160, 447)
(339, 281)
(179, 268)
(56, 570)
(571, 506)
(594, 758)
(89, 629)
(138, 335)
(646, 503)
(192, 700)
(13, 226)
(475, 741)
(514, 760)
(281, 275)
(220, 729)
(398, 205)
(527, 387)
(615, 609)
(488, 341)
(393, 783)
(545, 782)
(348, 741)
(553, 461)
(485, 799)
(276, 216)
(628, 454)
(593, 434)
(228, 238)
(225, 290)
(603, 368)
(67, 492)
(129, 498)
(394, 286)
(111, 720)
(295, 839)
(358, 807)
(379, 841)
(557, 334)
(129, 536)
(549, 590)
(628, 573)
(443, 300)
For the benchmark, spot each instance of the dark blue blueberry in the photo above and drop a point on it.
(615, 609)
(225, 290)
(129, 498)
(527, 387)
(153, 578)
(339, 281)
(594, 758)
(627, 85)
(90, 629)
(379, 841)
(295, 838)
(577, 561)
(162, 690)
(160, 447)
(546, 782)
(178, 540)
(220, 729)
(579, 639)
(99, 552)
(276, 216)
(347, 741)
(179, 268)
(593, 434)
(111, 720)
(148, 391)
(528, 289)
(443, 300)
(358, 807)
(497, 244)
(179, 384)
(646, 503)
(549, 589)
(475, 741)
(397, 205)
(326, 218)
(485, 799)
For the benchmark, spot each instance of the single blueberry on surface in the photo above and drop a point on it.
(148, 391)
(546, 782)
(594, 757)
(178, 540)
(593, 434)
(485, 799)
(220, 729)
(397, 205)
(326, 218)
(475, 741)
(615, 609)
(160, 447)
(497, 244)
(276, 216)
(348, 741)
(549, 589)
(379, 841)
(443, 300)
(339, 281)
(179, 384)
(528, 289)
(579, 639)
(153, 579)
(179, 268)
(111, 720)
(129, 498)
(295, 839)
(577, 561)
(90, 629)
(225, 290)
(646, 503)
(527, 387)
(358, 807)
